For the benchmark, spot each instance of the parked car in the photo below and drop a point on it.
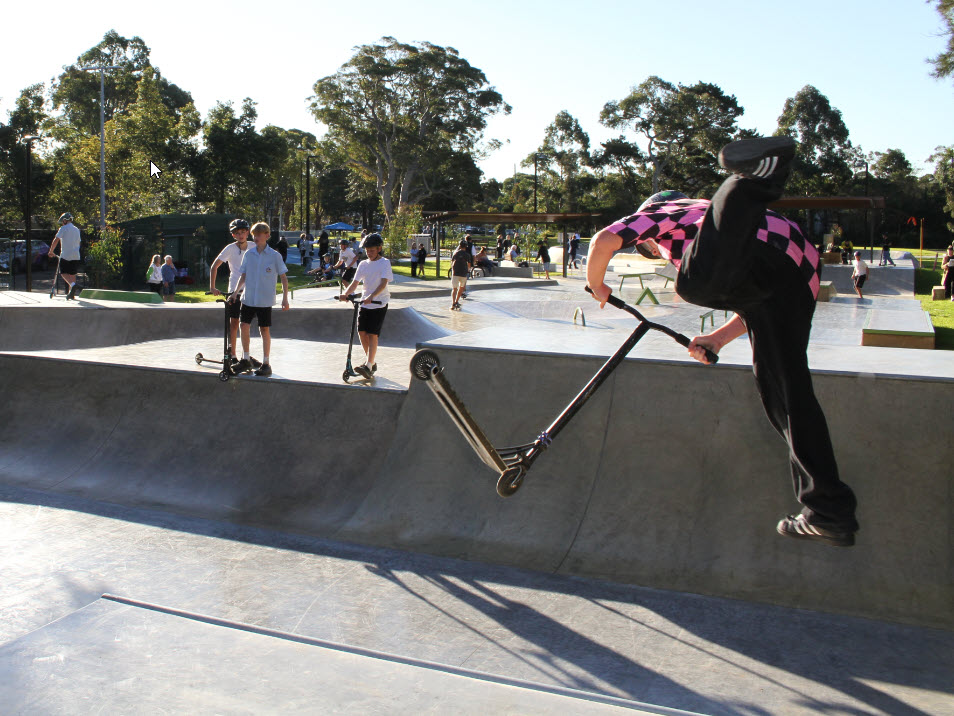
(40, 250)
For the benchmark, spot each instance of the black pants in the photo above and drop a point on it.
(728, 268)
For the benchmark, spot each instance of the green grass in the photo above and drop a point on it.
(197, 293)
(941, 312)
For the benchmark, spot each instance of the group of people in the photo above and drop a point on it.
(418, 257)
(253, 272)
(161, 277)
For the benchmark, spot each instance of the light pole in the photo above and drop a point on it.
(868, 237)
(102, 139)
(28, 223)
(536, 157)
(308, 159)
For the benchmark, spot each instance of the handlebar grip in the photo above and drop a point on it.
(614, 301)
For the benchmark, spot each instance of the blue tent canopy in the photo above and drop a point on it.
(340, 226)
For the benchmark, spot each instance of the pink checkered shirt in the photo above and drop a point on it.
(674, 225)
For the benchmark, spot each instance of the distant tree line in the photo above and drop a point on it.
(405, 132)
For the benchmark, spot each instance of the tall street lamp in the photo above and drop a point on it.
(308, 193)
(536, 157)
(858, 165)
(28, 140)
(102, 139)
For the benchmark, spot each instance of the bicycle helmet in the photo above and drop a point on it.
(238, 224)
(372, 240)
(66, 217)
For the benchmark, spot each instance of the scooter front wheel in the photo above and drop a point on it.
(423, 363)
(346, 376)
(223, 375)
(199, 358)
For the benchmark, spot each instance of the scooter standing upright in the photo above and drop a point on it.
(56, 278)
(349, 371)
(226, 361)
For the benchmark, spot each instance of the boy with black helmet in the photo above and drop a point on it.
(375, 273)
(232, 255)
(733, 253)
(68, 237)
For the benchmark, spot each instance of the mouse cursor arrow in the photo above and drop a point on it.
(154, 171)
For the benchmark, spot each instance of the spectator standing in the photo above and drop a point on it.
(168, 280)
(68, 237)
(323, 245)
(543, 253)
(261, 269)
(461, 263)
(414, 254)
(281, 246)
(232, 255)
(301, 250)
(154, 274)
(947, 265)
(574, 248)
(885, 251)
(421, 257)
(500, 246)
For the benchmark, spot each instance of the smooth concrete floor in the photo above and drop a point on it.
(682, 651)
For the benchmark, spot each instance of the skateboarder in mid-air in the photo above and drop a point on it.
(734, 254)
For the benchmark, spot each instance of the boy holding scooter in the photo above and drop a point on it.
(734, 254)
(262, 267)
(375, 273)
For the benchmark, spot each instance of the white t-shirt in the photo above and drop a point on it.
(348, 256)
(372, 273)
(69, 236)
(232, 255)
(861, 268)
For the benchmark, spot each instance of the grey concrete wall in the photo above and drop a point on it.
(670, 476)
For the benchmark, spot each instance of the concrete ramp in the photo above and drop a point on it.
(670, 476)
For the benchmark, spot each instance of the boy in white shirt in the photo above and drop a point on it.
(347, 259)
(232, 255)
(375, 272)
(860, 273)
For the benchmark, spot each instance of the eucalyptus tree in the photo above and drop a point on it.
(399, 112)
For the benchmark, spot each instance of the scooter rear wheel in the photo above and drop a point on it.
(223, 375)
(199, 358)
(346, 376)
(510, 480)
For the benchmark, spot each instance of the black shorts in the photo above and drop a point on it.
(370, 320)
(233, 309)
(860, 280)
(264, 315)
(69, 267)
(348, 275)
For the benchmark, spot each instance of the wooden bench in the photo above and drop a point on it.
(937, 293)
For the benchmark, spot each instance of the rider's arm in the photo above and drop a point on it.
(729, 331)
(602, 248)
(212, 273)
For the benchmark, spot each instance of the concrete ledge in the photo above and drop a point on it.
(826, 291)
(937, 293)
(898, 329)
(98, 294)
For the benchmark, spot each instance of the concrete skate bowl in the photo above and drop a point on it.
(669, 477)
(28, 328)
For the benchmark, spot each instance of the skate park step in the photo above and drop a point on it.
(98, 294)
(937, 293)
(898, 329)
(122, 656)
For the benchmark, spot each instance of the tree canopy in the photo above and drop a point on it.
(401, 113)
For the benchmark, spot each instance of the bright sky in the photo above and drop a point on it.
(543, 56)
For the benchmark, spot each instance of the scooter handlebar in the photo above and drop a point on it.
(616, 302)
(356, 298)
